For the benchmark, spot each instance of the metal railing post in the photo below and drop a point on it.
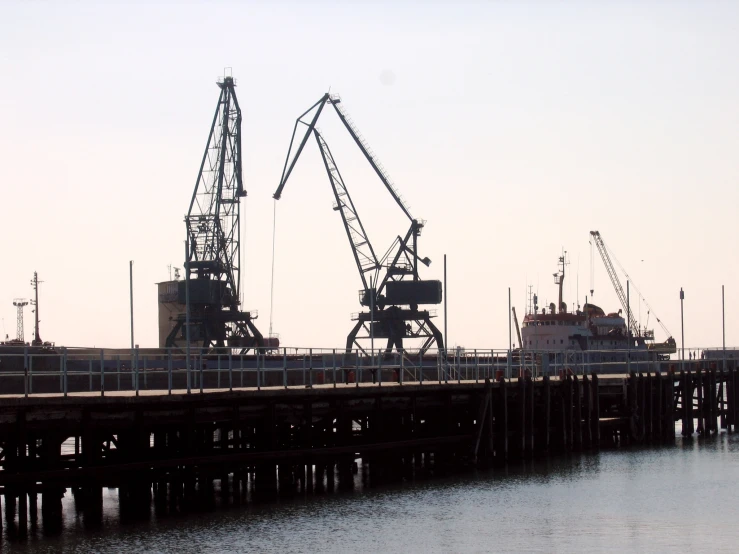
(30, 375)
(64, 365)
(25, 371)
(477, 368)
(230, 371)
(334, 362)
(201, 371)
(402, 369)
(136, 369)
(259, 380)
(188, 378)
(310, 367)
(284, 367)
(379, 369)
(102, 372)
(169, 370)
(90, 373)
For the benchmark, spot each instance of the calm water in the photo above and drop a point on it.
(681, 498)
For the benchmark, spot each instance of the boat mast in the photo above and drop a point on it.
(559, 278)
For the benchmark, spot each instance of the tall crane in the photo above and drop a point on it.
(213, 229)
(391, 286)
(603, 251)
(669, 346)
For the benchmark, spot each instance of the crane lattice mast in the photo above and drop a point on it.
(213, 226)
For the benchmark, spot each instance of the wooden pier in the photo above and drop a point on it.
(175, 447)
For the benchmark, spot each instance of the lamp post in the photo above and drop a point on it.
(130, 282)
(723, 327)
(446, 335)
(682, 329)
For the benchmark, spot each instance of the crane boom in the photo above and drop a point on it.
(367, 151)
(518, 329)
(600, 245)
(364, 254)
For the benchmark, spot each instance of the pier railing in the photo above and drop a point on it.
(30, 371)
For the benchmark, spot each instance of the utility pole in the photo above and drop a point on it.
(187, 310)
(510, 337)
(510, 329)
(446, 336)
(723, 326)
(36, 336)
(130, 282)
(629, 331)
(682, 329)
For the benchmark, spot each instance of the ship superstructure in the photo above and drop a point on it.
(555, 328)
(603, 335)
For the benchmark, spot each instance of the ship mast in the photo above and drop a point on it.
(559, 279)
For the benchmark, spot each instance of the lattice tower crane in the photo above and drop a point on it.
(669, 346)
(213, 229)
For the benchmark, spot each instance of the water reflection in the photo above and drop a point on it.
(671, 498)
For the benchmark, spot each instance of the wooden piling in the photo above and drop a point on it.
(732, 400)
(596, 410)
(659, 411)
(522, 414)
(568, 411)
(23, 512)
(722, 397)
(649, 407)
(530, 415)
(588, 415)
(577, 393)
(490, 417)
(504, 418)
(713, 401)
(641, 407)
(633, 393)
(481, 419)
(701, 407)
(547, 391)
(670, 415)
(687, 402)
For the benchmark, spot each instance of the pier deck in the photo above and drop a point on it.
(276, 440)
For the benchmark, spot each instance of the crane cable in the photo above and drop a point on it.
(664, 327)
(272, 280)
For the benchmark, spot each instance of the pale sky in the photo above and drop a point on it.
(513, 128)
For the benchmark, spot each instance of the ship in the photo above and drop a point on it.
(559, 336)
